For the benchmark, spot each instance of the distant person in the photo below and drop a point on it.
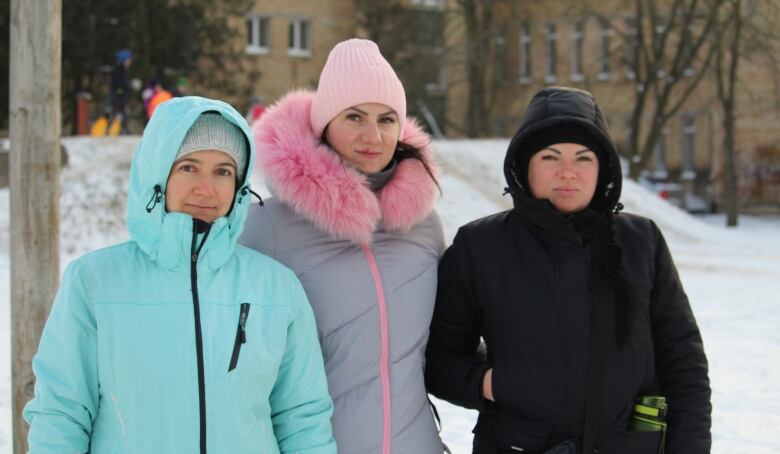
(149, 91)
(120, 87)
(163, 343)
(181, 88)
(160, 96)
(256, 110)
(353, 216)
(580, 307)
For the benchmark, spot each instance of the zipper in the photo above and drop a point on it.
(240, 336)
(198, 227)
(384, 355)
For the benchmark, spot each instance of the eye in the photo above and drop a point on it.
(549, 157)
(224, 172)
(353, 117)
(189, 168)
(585, 158)
(387, 120)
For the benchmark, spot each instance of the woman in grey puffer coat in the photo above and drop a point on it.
(352, 215)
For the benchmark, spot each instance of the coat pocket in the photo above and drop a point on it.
(240, 335)
(518, 435)
(635, 442)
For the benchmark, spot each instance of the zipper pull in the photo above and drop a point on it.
(242, 321)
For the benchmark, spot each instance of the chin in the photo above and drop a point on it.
(568, 209)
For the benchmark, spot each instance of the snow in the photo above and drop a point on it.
(730, 275)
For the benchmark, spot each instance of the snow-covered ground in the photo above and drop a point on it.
(732, 277)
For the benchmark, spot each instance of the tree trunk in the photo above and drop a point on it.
(35, 122)
(730, 196)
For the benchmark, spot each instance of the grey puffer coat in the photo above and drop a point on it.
(368, 263)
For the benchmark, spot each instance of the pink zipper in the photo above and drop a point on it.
(384, 357)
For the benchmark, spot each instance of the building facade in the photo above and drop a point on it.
(285, 45)
(592, 45)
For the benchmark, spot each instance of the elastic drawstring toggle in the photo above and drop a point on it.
(156, 197)
(246, 190)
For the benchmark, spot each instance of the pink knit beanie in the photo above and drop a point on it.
(356, 73)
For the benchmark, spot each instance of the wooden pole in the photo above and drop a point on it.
(35, 54)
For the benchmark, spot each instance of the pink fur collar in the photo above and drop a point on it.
(311, 178)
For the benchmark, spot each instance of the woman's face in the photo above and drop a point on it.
(202, 184)
(365, 135)
(566, 174)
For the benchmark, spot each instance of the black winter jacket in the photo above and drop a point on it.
(521, 281)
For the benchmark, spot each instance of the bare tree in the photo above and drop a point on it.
(411, 37)
(669, 53)
(478, 16)
(745, 33)
(728, 42)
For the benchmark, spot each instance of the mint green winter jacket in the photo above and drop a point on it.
(152, 347)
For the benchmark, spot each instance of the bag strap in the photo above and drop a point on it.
(601, 309)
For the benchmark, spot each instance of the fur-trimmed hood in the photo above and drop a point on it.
(311, 178)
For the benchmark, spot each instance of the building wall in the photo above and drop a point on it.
(274, 70)
(279, 71)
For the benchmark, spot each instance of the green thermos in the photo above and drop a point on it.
(650, 416)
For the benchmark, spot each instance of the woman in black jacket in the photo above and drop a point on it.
(535, 281)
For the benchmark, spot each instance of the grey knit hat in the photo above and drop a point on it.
(211, 131)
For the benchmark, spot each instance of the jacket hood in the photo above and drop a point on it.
(166, 237)
(554, 106)
(310, 177)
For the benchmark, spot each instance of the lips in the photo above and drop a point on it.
(566, 191)
(369, 154)
(196, 207)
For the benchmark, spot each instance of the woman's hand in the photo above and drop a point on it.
(487, 385)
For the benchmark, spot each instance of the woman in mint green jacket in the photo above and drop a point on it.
(179, 340)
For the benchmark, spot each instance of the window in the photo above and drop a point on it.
(689, 133)
(659, 157)
(552, 54)
(438, 4)
(605, 57)
(525, 54)
(257, 35)
(631, 56)
(298, 38)
(576, 52)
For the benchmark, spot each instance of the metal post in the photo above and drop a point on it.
(35, 54)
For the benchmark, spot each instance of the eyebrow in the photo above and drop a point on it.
(389, 112)
(198, 161)
(579, 152)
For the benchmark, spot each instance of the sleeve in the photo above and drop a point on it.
(66, 399)
(300, 404)
(453, 365)
(680, 360)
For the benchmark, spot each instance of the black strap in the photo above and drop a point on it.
(601, 309)
(444, 446)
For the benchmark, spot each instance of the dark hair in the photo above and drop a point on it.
(631, 318)
(405, 151)
(402, 151)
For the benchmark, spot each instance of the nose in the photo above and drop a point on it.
(204, 186)
(371, 133)
(567, 171)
